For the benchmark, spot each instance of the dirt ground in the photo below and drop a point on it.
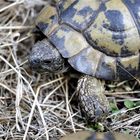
(42, 106)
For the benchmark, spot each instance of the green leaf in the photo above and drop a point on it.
(96, 126)
(137, 103)
(129, 104)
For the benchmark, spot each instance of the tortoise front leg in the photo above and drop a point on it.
(91, 97)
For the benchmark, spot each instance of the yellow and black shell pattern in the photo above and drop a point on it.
(98, 37)
(89, 135)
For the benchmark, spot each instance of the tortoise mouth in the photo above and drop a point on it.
(37, 69)
(40, 69)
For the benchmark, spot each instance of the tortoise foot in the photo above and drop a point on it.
(91, 97)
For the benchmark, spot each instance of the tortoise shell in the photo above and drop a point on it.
(98, 37)
(88, 135)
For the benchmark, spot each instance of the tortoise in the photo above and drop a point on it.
(98, 38)
(89, 135)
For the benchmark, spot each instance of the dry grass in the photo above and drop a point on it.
(34, 106)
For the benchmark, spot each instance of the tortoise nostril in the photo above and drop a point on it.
(35, 61)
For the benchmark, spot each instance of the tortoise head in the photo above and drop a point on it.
(44, 57)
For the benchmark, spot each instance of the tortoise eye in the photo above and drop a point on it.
(47, 61)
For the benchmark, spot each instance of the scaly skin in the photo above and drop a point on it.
(92, 99)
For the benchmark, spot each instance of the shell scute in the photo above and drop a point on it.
(47, 20)
(86, 61)
(79, 14)
(106, 68)
(89, 135)
(134, 8)
(114, 31)
(128, 67)
(68, 41)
